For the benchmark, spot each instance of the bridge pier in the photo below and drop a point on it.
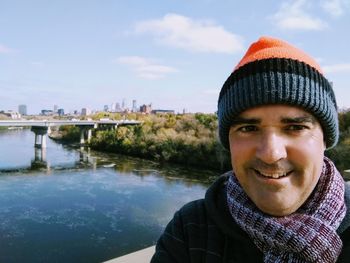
(39, 161)
(85, 134)
(40, 155)
(89, 135)
(82, 136)
(40, 136)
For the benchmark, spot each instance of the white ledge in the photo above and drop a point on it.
(141, 256)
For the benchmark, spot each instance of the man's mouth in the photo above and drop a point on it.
(273, 175)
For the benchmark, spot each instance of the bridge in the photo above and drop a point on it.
(42, 127)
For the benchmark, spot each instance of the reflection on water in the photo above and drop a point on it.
(76, 205)
(58, 157)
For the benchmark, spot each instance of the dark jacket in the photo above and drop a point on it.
(204, 231)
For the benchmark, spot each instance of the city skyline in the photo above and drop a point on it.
(176, 54)
(112, 107)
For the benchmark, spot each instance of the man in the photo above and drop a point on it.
(284, 201)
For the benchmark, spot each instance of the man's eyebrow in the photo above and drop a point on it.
(286, 120)
(241, 120)
(300, 119)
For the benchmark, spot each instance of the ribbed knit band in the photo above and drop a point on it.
(278, 81)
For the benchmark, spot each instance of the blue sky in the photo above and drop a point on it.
(174, 54)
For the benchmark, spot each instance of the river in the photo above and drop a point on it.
(68, 204)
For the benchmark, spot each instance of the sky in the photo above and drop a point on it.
(175, 54)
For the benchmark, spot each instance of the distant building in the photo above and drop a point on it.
(105, 108)
(126, 110)
(60, 112)
(163, 111)
(12, 114)
(22, 109)
(55, 108)
(113, 107)
(147, 109)
(123, 104)
(134, 106)
(85, 112)
(47, 112)
(117, 107)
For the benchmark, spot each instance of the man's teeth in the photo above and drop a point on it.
(272, 175)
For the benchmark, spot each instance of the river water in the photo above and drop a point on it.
(69, 204)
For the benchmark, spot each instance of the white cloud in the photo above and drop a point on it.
(146, 68)
(335, 8)
(293, 15)
(5, 50)
(194, 35)
(337, 68)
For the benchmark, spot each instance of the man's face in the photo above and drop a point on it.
(277, 156)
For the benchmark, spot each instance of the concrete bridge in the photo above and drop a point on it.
(42, 127)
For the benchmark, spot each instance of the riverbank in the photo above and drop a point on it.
(189, 140)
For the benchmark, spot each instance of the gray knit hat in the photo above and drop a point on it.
(274, 72)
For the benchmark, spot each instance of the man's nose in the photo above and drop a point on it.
(271, 148)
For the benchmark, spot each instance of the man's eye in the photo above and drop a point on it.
(248, 128)
(296, 127)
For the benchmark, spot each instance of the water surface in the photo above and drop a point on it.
(76, 205)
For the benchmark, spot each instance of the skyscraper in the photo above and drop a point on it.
(113, 107)
(134, 107)
(22, 109)
(85, 111)
(123, 104)
(117, 107)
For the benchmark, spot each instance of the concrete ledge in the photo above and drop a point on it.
(141, 256)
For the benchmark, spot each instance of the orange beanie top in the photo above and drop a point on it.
(268, 47)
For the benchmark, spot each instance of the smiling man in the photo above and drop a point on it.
(283, 201)
(277, 155)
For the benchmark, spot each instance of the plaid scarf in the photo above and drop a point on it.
(307, 235)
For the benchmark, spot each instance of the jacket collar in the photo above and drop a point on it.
(346, 221)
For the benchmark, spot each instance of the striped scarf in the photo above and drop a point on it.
(307, 235)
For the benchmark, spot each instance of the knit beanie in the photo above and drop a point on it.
(274, 72)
